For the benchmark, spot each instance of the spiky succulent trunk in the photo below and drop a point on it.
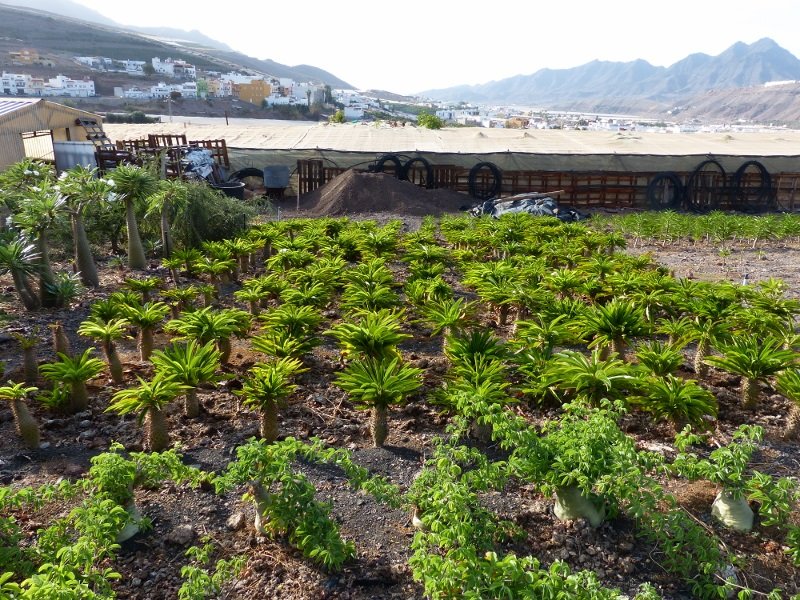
(29, 366)
(269, 421)
(84, 260)
(793, 423)
(114, 363)
(46, 277)
(208, 298)
(618, 346)
(224, 346)
(23, 286)
(379, 426)
(60, 340)
(78, 397)
(502, 314)
(244, 263)
(145, 342)
(166, 237)
(262, 500)
(191, 405)
(701, 368)
(156, 436)
(255, 308)
(175, 310)
(749, 393)
(136, 258)
(173, 274)
(27, 427)
(572, 504)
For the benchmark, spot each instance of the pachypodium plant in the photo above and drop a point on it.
(681, 401)
(754, 360)
(376, 384)
(27, 344)
(148, 401)
(659, 358)
(132, 186)
(573, 374)
(82, 188)
(60, 340)
(75, 371)
(191, 364)
(170, 198)
(27, 427)
(143, 285)
(448, 316)
(611, 326)
(727, 467)
(788, 384)
(107, 334)
(269, 385)
(208, 324)
(146, 318)
(372, 335)
(19, 257)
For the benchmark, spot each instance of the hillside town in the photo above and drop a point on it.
(181, 79)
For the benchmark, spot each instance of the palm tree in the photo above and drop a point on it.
(754, 361)
(375, 335)
(148, 400)
(788, 384)
(267, 386)
(377, 384)
(75, 371)
(20, 258)
(207, 325)
(107, 333)
(81, 188)
(146, 317)
(27, 427)
(610, 326)
(591, 377)
(134, 184)
(190, 364)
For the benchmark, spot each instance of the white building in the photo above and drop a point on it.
(64, 86)
(173, 68)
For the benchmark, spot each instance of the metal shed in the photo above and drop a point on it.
(29, 126)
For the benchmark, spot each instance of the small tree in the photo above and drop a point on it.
(754, 361)
(134, 184)
(146, 317)
(190, 364)
(27, 427)
(148, 401)
(75, 371)
(337, 117)
(108, 333)
(377, 384)
(268, 385)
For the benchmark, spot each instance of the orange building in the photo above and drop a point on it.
(254, 92)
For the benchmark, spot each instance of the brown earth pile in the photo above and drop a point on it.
(353, 193)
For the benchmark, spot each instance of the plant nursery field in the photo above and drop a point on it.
(379, 407)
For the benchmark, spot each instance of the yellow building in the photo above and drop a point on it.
(24, 57)
(254, 92)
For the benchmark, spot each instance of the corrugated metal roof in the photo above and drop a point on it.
(9, 105)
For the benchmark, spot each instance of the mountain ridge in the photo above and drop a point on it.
(629, 85)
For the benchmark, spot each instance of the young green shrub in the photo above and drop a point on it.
(75, 371)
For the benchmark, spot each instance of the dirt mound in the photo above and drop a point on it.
(353, 192)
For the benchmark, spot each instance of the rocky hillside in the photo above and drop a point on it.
(61, 37)
(639, 87)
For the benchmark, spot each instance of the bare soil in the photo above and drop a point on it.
(150, 563)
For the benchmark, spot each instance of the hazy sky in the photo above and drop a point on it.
(407, 47)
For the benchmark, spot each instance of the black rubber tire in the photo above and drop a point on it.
(493, 191)
(429, 182)
(700, 197)
(247, 173)
(752, 199)
(658, 196)
(390, 158)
